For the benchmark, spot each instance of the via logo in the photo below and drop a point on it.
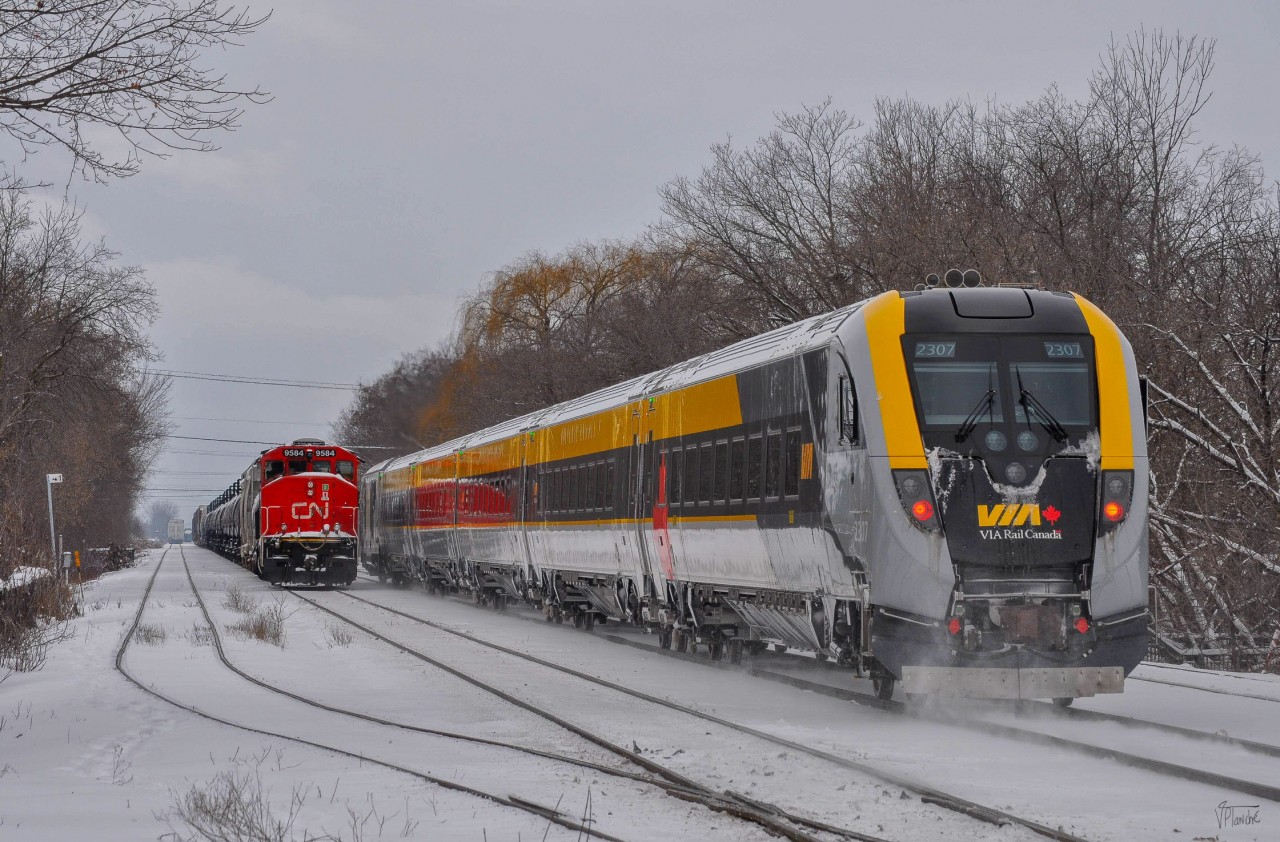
(303, 510)
(1019, 514)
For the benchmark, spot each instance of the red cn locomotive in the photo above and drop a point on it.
(291, 517)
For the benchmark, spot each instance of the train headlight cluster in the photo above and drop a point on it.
(1117, 495)
(916, 495)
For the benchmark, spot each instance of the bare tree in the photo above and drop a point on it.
(159, 513)
(72, 395)
(388, 413)
(68, 67)
(771, 217)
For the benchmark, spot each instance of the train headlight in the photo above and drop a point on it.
(916, 495)
(1016, 473)
(1117, 495)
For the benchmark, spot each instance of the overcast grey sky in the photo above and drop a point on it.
(414, 147)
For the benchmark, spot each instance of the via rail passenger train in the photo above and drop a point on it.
(945, 488)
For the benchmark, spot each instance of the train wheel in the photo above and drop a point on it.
(578, 621)
(664, 638)
(884, 687)
(588, 621)
(780, 648)
(680, 640)
(715, 649)
(735, 650)
(821, 656)
(1063, 702)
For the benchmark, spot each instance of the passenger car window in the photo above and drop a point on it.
(791, 468)
(737, 468)
(690, 491)
(755, 464)
(706, 473)
(773, 465)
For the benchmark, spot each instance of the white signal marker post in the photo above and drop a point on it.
(50, 481)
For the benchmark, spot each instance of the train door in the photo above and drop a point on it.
(527, 507)
(638, 483)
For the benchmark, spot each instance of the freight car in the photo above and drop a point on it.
(290, 517)
(945, 488)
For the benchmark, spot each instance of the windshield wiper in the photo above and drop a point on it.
(1031, 404)
(971, 420)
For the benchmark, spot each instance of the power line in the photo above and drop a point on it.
(236, 455)
(257, 381)
(227, 441)
(274, 443)
(191, 473)
(252, 421)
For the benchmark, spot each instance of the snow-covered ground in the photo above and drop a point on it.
(86, 754)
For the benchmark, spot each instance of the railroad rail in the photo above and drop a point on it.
(871, 700)
(1041, 709)
(1214, 690)
(528, 807)
(928, 795)
(672, 783)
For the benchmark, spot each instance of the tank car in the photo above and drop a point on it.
(291, 516)
(945, 488)
(197, 528)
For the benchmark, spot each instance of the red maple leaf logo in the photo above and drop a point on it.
(1051, 514)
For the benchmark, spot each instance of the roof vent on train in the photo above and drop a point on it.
(954, 279)
(997, 303)
(307, 441)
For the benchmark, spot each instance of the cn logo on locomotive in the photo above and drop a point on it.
(302, 510)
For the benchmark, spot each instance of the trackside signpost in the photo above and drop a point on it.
(50, 481)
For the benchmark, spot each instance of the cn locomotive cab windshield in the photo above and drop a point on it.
(945, 488)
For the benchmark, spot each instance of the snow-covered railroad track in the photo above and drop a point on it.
(550, 814)
(1051, 714)
(771, 817)
(670, 783)
(1215, 690)
(1247, 787)
(928, 795)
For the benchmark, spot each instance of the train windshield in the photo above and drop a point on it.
(965, 381)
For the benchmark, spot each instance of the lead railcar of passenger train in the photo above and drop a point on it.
(290, 517)
(945, 487)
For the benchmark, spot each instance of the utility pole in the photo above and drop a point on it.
(50, 480)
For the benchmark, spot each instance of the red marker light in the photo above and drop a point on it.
(1082, 625)
(922, 509)
(1113, 511)
(954, 625)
